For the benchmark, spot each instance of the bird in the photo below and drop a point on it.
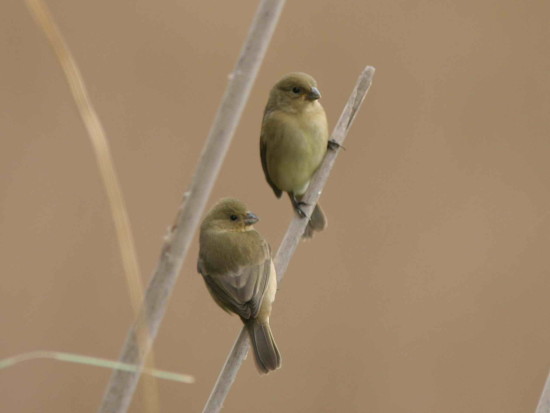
(236, 264)
(293, 142)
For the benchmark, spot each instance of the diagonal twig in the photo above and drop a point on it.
(122, 384)
(544, 402)
(292, 237)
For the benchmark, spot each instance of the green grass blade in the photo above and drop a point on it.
(93, 361)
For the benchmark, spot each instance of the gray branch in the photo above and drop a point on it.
(544, 402)
(122, 384)
(292, 237)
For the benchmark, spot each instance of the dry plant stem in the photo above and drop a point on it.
(544, 402)
(122, 384)
(229, 373)
(106, 167)
(100, 146)
(292, 237)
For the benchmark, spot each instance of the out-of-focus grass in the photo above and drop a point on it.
(93, 361)
(105, 163)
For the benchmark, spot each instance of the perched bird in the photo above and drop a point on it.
(293, 141)
(235, 262)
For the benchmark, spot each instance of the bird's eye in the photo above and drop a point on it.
(297, 89)
(233, 217)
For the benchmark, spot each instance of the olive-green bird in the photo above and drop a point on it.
(294, 140)
(235, 262)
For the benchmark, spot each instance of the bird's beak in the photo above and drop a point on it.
(314, 94)
(250, 218)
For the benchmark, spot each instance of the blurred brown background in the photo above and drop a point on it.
(428, 292)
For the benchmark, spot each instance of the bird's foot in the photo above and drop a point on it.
(299, 210)
(298, 207)
(333, 145)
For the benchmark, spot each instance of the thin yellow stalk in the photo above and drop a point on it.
(105, 163)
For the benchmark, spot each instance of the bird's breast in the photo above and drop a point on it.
(297, 150)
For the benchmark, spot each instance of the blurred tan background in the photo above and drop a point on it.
(428, 292)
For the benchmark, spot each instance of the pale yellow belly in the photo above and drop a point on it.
(291, 164)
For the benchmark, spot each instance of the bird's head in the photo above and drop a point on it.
(229, 214)
(294, 92)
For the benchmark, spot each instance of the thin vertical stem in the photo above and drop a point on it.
(102, 151)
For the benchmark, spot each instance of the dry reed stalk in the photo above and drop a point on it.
(544, 401)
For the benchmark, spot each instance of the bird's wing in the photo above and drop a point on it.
(263, 155)
(241, 291)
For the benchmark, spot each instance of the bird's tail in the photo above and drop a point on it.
(266, 354)
(317, 222)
